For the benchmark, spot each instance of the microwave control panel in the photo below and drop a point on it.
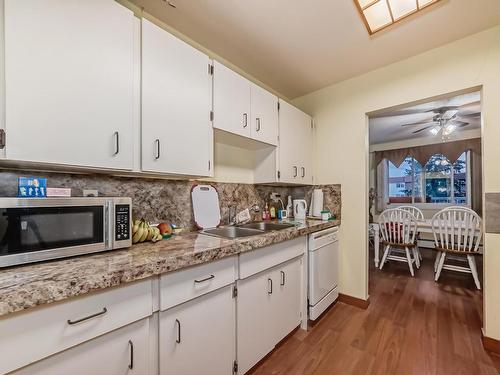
(122, 222)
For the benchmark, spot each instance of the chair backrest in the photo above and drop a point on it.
(457, 229)
(417, 212)
(458, 207)
(398, 226)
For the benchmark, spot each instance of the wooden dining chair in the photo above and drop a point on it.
(398, 229)
(457, 235)
(419, 215)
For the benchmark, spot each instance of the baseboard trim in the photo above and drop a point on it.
(490, 344)
(354, 301)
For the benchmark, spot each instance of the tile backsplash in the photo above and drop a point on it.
(170, 200)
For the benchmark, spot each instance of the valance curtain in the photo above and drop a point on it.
(451, 150)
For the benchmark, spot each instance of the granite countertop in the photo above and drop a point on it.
(24, 287)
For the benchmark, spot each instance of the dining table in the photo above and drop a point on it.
(423, 226)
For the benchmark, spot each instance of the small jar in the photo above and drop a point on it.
(325, 215)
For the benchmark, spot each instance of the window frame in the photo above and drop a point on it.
(434, 205)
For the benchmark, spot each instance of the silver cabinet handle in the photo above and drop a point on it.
(283, 278)
(303, 171)
(295, 171)
(270, 284)
(104, 311)
(257, 127)
(157, 142)
(245, 120)
(205, 279)
(117, 143)
(178, 339)
(131, 363)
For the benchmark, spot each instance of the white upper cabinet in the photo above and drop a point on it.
(177, 135)
(231, 101)
(243, 108)
(69, 72)
(295, 145)
(264, 113)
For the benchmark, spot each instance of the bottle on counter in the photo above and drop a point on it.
(272, 211)
(289, 207)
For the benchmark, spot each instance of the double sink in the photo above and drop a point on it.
(246, 230)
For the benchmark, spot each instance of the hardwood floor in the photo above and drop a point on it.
(412, 326)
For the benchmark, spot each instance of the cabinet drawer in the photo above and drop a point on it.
(35, 334)
(181, 286)
(259, 260)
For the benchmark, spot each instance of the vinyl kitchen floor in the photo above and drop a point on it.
(412, 326)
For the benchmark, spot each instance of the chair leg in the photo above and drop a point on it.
(410, 261)
(416, 255)
(440, 265)
(473, 268)
(436, 262)
(384, 257)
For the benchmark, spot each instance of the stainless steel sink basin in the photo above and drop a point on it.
(232, 232)
(246, 230)
(266, 227)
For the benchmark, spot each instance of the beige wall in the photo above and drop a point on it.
(341, 134)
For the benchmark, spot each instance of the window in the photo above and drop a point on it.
(437, 182)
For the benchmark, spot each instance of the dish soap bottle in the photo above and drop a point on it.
(272, 211)
(289, 207)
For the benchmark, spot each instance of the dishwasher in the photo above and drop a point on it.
(323, 254)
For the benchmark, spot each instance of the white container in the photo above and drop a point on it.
(299, 209)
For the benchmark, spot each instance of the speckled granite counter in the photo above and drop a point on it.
(28, 286)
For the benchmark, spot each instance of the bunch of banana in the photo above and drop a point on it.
(142, 231)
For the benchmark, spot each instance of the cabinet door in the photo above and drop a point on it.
(198, 337)
(231, 101)
(264, 113)
(295, 144)
(69, 82)
(286, 312)
(255, 323)
(305, 161)
(176, 104)
(124, 351)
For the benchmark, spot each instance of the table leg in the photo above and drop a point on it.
(376, 241)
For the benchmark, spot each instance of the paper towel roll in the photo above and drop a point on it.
(317, 202)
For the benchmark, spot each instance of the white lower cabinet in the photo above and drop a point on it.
(198, 337)
(123, 351)
(268, 309)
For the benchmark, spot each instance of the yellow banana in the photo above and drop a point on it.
(137, 235)
(145, 232)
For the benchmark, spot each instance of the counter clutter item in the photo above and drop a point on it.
(25, 287)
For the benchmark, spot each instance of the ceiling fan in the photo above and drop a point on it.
(445, 120)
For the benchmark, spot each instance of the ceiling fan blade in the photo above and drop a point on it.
(419, 123)
(476, 114)
(420, 130)
(460, 124)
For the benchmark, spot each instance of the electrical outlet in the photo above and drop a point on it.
(90, 193)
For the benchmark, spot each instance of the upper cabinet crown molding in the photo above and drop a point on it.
(69, 73)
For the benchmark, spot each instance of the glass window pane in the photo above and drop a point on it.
(378, 15)
(401, 8)
(401, 182)
(418, 183)
(438, 180)
(460, 179)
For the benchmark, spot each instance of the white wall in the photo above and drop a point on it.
(341, 135)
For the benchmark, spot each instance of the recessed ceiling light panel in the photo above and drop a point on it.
(379, 14)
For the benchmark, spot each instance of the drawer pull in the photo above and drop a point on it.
(245, 120)
(270, 283)
(283, 278)
(131, 363)
(178, 340)
(205, 279)
(104, 311)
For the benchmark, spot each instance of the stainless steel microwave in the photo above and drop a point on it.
(38, 229)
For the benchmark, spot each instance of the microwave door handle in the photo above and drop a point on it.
(107, 225)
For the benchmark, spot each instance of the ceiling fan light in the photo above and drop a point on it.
(449, 129)
(434, 130)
